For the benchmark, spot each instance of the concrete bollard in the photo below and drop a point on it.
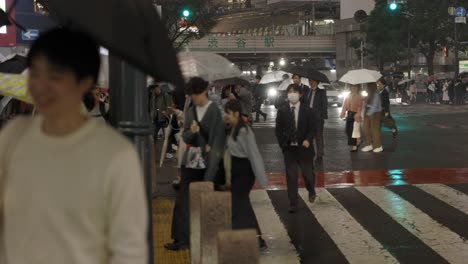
(195, 191)
(238, 246)
(215, 216)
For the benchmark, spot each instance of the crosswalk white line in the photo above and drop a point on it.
(448, 195)
(356, 244)
(280, 249)
(447, 244)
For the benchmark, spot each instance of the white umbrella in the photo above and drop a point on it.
(274, 76)
(361, 76)
(209, 66)
(404, 81)
(284, 85)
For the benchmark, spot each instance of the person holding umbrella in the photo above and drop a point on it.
(373, 112)
(317, 101)
(386, 117)
(352, 110)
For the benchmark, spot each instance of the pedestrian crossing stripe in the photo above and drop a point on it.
(366, 225)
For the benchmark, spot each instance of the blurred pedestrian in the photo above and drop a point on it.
(247, 166)
(159, 110)
(295, 131)
(446, 97)
(259, 97)
(316, 99)
(352, 110)
(205, 135)
(372, 115)
(245, 97)
(95, 105)
(459, 92)
(413, 92)
(78, 195)
(386, 117)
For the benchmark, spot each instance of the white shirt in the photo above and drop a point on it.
(74, 199)
(201, 110)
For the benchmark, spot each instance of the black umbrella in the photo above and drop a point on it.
(308, 73)
(17, 64)
(235, 81)
(131, 29)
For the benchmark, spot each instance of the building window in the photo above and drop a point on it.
(39, 8)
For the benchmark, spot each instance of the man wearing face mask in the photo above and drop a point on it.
(295, 131)
(316, 99)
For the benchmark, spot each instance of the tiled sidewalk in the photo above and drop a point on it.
(162, 218)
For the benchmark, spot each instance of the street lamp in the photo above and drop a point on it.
(186, 13)
(282, 62)
(393, 6)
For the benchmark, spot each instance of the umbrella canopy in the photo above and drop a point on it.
(209, 66)
(131, 30)
(308, 73)
(16, 86)
(404, 81)
(284, 85)
(234, 81)
(361, 76)
(274, 76)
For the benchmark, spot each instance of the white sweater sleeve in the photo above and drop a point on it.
(127, 210)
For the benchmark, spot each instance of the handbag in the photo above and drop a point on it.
(14, 137)
(356, 130)
(196, 158)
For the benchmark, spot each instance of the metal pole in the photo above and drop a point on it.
(362, 54)
(457, 64)
(409, 50)
(129, 115)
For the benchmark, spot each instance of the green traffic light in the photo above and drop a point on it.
(186, 13)
(393, 6)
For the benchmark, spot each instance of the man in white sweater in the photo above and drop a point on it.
(73, 190)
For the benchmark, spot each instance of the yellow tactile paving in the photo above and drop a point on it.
(162, 218)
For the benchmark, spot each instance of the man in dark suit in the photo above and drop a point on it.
(386, 117)
(295, 130)
(316, 99)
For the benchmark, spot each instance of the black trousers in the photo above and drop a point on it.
(319, 138)
(296, 158)
(258, 108)
(350, 127)
(180, 217)
(243, 179)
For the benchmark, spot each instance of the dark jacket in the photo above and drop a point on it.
(320, 108)
(385, 99)
(306, 126)
(212, 126)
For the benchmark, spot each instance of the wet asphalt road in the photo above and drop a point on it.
(430, 136)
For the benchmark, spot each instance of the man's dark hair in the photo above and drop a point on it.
(197, 85)
(294, 87)
(153, 86)
(383, 81)
(298, 75)
(69, 49)
(258, 77)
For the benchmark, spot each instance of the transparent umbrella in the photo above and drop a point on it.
(209, 66)
(361, 76)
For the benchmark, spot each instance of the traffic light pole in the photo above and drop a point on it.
(409, 50)
(457, 64)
